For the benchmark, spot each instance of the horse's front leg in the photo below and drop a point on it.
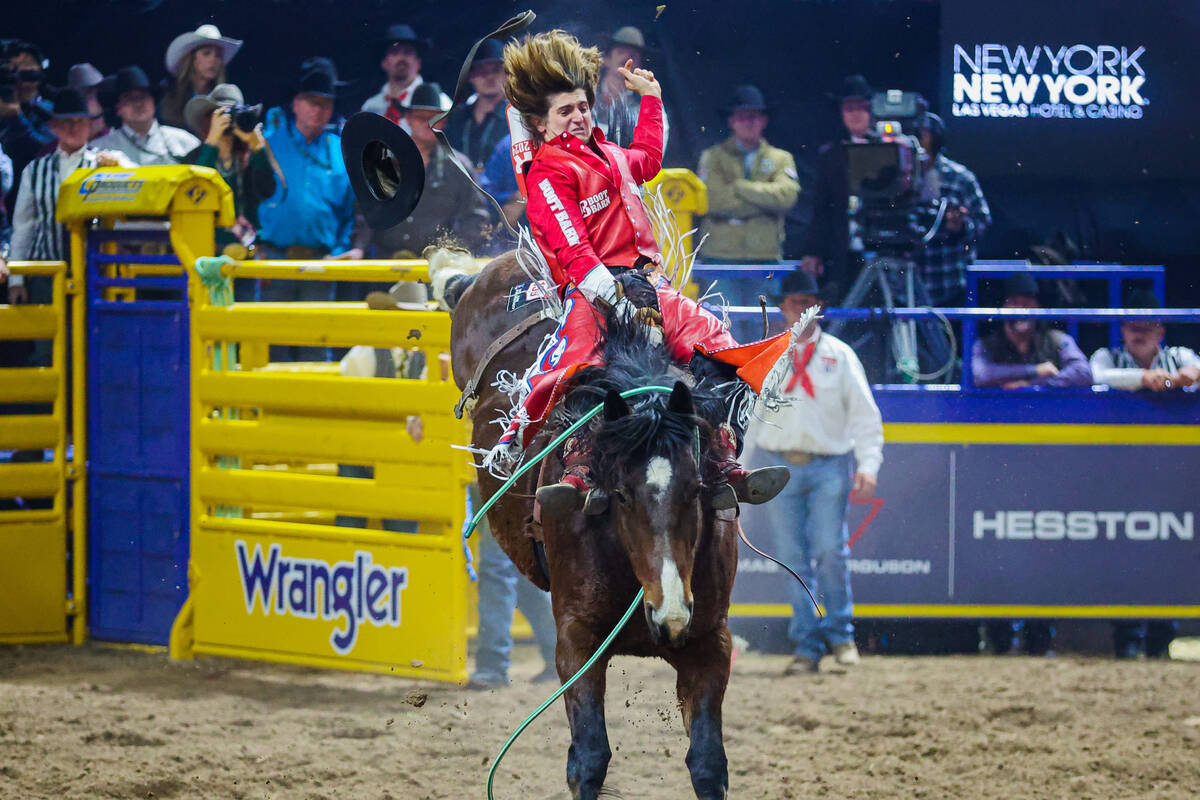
(587, 760)
(703, 672)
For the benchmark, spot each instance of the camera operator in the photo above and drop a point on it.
(827, 242)
(24, 117)
(942, 263)
(235, 147)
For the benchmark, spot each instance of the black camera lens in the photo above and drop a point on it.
(246, 118)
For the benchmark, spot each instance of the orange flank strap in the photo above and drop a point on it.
(753, 360)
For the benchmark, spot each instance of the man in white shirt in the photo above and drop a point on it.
(1143, 363)
(140, 137)
(830, 435)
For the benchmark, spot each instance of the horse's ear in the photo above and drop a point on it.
(680, 401)
(615, 406)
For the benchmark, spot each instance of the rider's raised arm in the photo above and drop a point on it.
(646, 149)
(553, 211)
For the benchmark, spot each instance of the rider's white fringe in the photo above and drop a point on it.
(533, 264)
(677, 259)
(716, 299)
(502, 459)
(772, 394)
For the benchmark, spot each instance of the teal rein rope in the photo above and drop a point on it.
(550, 700)
(628, 613)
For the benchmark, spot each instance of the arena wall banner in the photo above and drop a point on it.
(996, 530)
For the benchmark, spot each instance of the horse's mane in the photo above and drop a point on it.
(630, 361)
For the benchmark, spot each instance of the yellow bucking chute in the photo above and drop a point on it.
(145, 191)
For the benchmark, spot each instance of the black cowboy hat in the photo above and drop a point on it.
(746, 98)
(404, 34)
(67, 103)
(798, 282)
(318, 76)
(385, 169)
(426, 97)
(1021, 284)
(852, 86)
(489, 50)
(126, 79)
(1142, 298)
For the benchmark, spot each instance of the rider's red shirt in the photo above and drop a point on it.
(586, 210)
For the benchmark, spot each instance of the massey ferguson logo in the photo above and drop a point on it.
(355, 591)
(1084, 526)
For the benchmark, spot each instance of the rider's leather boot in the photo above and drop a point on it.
(737, 484)
(576, 488)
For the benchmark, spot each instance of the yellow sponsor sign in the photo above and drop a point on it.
(163, 191)
(380, 601)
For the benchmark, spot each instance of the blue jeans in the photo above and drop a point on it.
(809, 521)
(502, 590)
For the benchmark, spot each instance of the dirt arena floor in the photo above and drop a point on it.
(94, 722)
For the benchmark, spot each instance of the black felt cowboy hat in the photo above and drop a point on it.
(746, 98)
(426, 97)
(1021, 284)
(68, 103)
(852, 86)
(404, 34)
(385, 169)
(126, 79)
(489, 51)
(318, 76)
(798, 282)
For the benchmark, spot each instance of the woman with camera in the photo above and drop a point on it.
(234, 146)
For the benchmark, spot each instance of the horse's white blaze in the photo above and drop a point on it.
(673, 614)
(658, 476)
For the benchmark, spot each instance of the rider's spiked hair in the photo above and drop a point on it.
(546, 64)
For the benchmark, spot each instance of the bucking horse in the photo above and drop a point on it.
(651, 457)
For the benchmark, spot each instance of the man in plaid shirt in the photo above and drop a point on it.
(942, 265)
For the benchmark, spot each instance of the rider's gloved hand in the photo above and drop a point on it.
(599, 284)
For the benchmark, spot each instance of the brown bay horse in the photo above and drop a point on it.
(658, 534)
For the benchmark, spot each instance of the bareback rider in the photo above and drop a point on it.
(586, 215)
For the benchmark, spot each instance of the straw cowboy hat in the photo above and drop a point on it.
(203, 36)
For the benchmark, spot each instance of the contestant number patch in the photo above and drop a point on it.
(523, 294)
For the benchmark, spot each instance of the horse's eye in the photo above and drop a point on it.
(622, 496)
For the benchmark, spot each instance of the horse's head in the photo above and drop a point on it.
(646, 458)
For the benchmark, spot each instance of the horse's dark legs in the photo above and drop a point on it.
(587, 760)
(703, 672)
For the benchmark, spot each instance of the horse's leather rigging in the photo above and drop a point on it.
(468, 392)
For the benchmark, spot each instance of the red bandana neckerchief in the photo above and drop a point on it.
(800, 368)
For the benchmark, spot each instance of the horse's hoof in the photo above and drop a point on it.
(559, 498)
(596, 503)
(723, 498)
(761, 485)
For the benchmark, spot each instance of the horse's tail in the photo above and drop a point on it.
(451, 271)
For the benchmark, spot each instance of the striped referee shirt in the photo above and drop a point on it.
(1115, 367)
(36, 235)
